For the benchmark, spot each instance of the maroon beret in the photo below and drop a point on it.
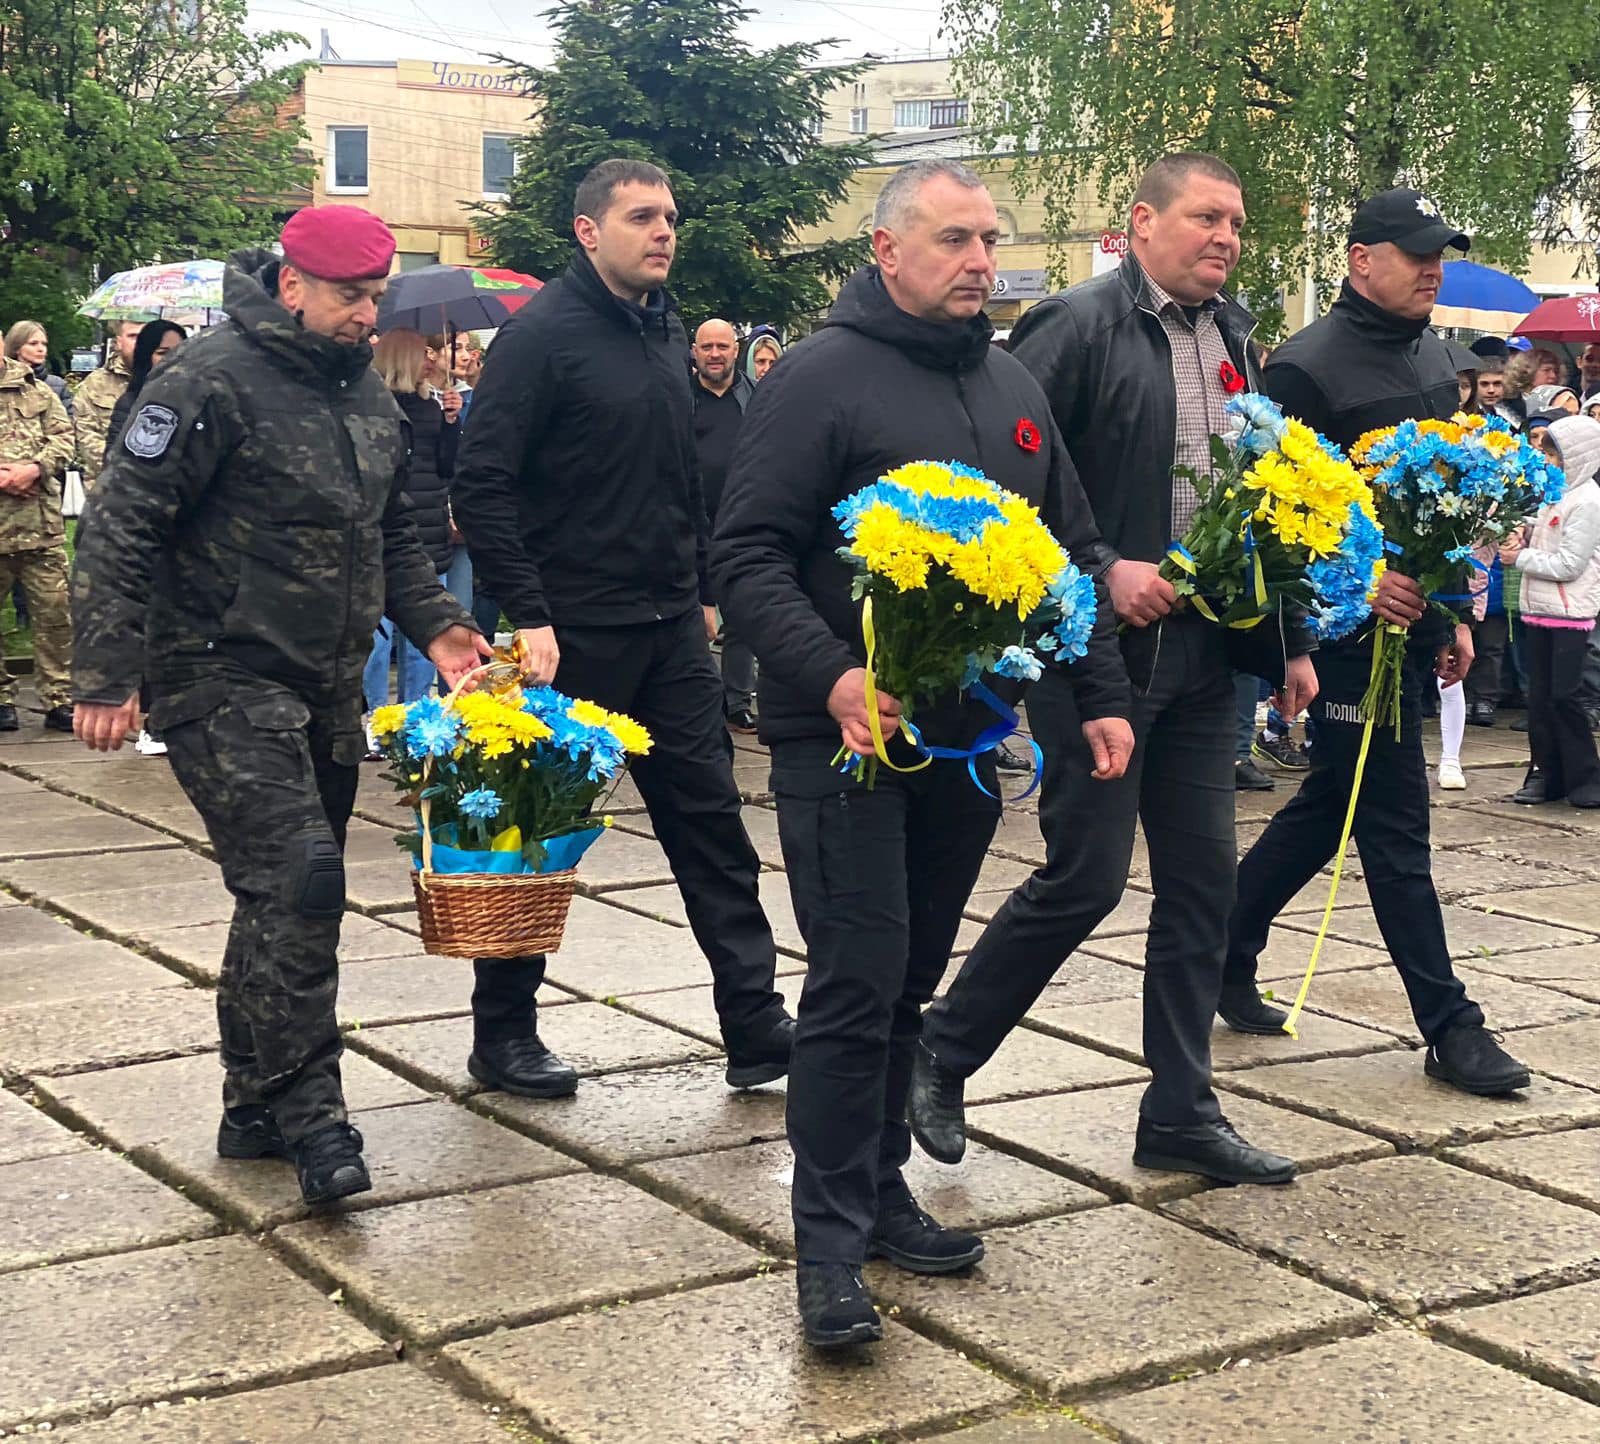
(338, 243)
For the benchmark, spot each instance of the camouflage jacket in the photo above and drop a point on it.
(251, 523)
(98, 394)
(33, 427)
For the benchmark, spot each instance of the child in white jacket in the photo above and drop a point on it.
(1560, 566)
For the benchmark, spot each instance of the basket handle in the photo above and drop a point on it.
(426, 805)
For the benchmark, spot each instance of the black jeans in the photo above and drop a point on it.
(1391, 831)
(879, 880)
(1181, 785)
(1489, 639)
(661, 674)
(1558, 725)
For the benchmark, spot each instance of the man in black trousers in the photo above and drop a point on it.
(1138, 366)
(580, 497)
(902, 370)
(1372, 362)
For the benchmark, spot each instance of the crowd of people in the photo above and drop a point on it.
(281, 512)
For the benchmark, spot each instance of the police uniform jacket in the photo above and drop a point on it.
(251, 523)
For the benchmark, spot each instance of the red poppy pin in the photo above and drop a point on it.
(1027, 435)
(1232, 381)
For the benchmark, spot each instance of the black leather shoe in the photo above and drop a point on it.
(1520, 725)
(1213, 1150)
(1247, 777)
(762, 1060)
(743, 721)
(936, 1109)
(1533, 791)
(913, 1241)
(330, 1165)
(1007, 760)
(58, 719)
(1246, 1011)
(1469, 1057)
(1481, 714)
(250, 1132)
(8, 718)
(523, 1066)
(835, 1307)
(1586, 796)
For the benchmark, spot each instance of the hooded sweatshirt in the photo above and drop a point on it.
(1560, 566)
(875, 388)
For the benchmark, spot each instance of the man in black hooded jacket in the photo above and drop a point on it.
(903, 370)
(579, 494)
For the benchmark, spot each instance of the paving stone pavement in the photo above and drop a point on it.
(614, 1268)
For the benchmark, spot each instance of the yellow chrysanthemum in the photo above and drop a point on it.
(632, 735)
(386, 721)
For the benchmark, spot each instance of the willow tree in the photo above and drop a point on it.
(1314, 102)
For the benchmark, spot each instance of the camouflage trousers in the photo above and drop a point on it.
(43, 574)
(258, 765)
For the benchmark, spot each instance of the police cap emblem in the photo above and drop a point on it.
(151, 431)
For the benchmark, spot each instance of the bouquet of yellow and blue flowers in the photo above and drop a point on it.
(1444, 488)
(1283, 518)
(959, 577)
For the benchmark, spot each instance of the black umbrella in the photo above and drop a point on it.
(439, 299)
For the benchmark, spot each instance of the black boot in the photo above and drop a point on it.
(1534, 790)
(1213, 1150)
(1469, 1057)
(1246, 1011)
(763, 1059)
(58, 719)
(935, 1108)
(250, 1132)
(911, 1240)
(330, 1165)
(1247, 777)
(835, 1306)
(523, 1066)
(8, 718)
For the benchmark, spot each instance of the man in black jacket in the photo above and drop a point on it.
(903, 369)
(580, 498)
(1137, 365)
(1372, 362)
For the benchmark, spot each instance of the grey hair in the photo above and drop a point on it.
(896, 198)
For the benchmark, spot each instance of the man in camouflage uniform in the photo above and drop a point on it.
(97, 397)
(35, 451)
(249, 529)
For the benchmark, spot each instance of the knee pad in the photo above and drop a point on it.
(316, 876)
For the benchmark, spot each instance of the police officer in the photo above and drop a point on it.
(247, 533)
(35, 451)
(1372, 362)
(902, 368)
(580, 497)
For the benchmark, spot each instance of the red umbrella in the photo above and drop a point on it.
(1566, 318)
(512, 287)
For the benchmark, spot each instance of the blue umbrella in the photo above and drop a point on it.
(1481, 297)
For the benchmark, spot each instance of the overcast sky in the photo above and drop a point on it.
(464, 29)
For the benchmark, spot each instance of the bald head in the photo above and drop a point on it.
(715, 349)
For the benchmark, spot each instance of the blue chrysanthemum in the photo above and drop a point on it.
(430, 730)
(481, 804)
(1021, 663)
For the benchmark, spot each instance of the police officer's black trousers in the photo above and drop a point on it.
(879, 879)
(1180, 783)
(662, 675)
(275, 805)
(1391, 831)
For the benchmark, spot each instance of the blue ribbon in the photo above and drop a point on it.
(989, 740)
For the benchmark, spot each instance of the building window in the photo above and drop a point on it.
(911, 114)
(946, 114)
(499, 165)
(858, 121)
(347, 160)
(816, 127)
(416, 260)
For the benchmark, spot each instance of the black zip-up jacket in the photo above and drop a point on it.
(577, 487)
(431, 465)
(251, 523)
(1358, 369)
(1105, 363)
(874, 389)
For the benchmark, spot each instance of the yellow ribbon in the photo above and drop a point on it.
(1344, 842)
(1185, 563)
(870, 635)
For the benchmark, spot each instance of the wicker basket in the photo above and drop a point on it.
(493, 915)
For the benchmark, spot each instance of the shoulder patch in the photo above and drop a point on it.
(151, 431)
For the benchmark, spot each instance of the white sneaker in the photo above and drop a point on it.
(1451, 777)
(148, 746)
